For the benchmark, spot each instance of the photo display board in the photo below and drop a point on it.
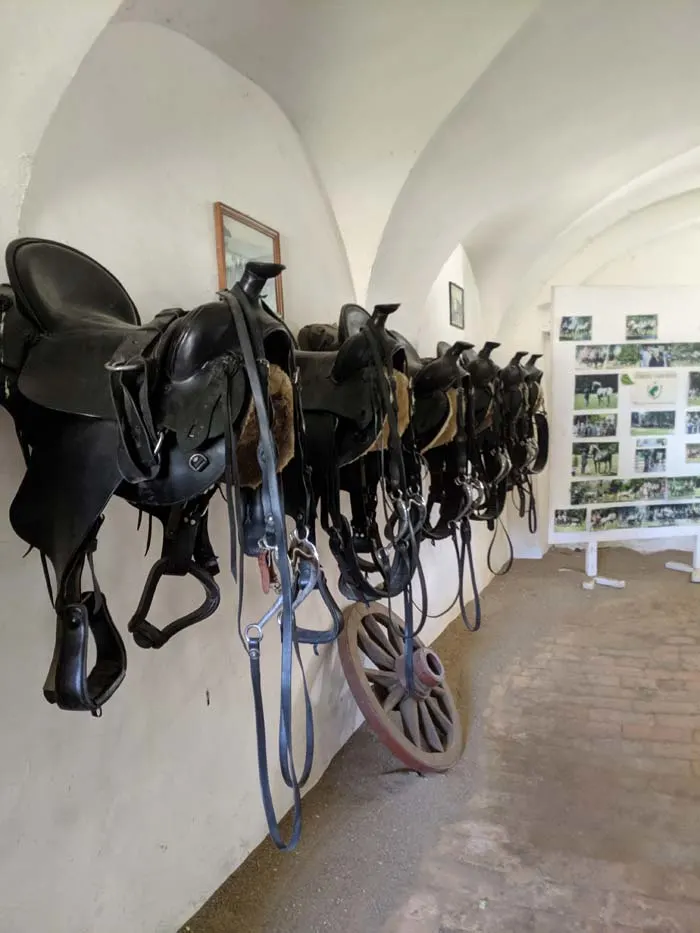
(624, 414)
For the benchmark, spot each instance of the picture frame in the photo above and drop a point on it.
(456, 305)
(240, 239)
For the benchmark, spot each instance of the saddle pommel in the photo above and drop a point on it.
(381, 313)
(256, 275)
(533, 358)
(457, 348)
(487, 349)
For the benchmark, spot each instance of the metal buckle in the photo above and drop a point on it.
(257, 637)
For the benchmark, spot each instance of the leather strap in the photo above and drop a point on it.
(256, 370)
(131, 370)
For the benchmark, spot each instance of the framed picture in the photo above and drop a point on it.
(240, 239)
(456, 305)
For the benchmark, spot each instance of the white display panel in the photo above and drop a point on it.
(624, 414)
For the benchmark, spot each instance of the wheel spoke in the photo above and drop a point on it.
(438, 715)
(396, 636)
(385, 679)
(374, 651)
(411, 722)
(378, 632)
(430, 733)
(396, 694)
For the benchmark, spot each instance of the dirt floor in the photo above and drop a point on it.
(575, 808)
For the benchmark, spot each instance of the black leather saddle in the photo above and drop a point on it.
(356, 400)
(104, 405)
(536, 407)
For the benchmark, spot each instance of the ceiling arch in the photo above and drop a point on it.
(584, 98)
(366, 84)
(520, 129)
(43, 44)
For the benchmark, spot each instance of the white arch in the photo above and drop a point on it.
(542, 137)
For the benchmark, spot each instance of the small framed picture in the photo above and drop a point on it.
(576, 328)
(241, 239)
(642, 326)
(456, 305)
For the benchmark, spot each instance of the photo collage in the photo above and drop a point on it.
(660, 385)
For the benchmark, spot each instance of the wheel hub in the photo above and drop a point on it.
(428, 672)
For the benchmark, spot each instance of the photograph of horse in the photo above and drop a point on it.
(595, 459)
(576, 328)
(616, 490)
(653, 422)
(570, 520)
(658, 516)
(595, 425)
(600, 391)
(693, 389)
(683, 487)
(607, 356)
(642, 326)
(617, 517)
(650, 460)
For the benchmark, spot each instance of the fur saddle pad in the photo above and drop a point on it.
(281, 397)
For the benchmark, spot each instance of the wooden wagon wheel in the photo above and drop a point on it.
(421, 728)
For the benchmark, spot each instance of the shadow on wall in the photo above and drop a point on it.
(151, 133)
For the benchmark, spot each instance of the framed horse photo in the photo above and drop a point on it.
(241, 239)
(456, 305)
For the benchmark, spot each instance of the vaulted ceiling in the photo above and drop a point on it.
(522, 129)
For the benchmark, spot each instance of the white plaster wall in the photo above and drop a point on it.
(43, 43)
(670, 259)
(426, 329)
(130, 822)
(391, 73)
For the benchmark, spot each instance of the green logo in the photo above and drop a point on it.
(626, 380)
(654, 390)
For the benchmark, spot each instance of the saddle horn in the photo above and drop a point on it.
(381, 313)
(487, 349)
(533, 359)
(458, 348)
(255, 275)
(518, 357)
(443, 372)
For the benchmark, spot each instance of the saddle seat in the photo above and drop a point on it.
(82, 315)
(83, 319)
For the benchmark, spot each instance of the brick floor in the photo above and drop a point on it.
(587, 819)
(575, 808)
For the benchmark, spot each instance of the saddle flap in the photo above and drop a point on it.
(67, 373)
